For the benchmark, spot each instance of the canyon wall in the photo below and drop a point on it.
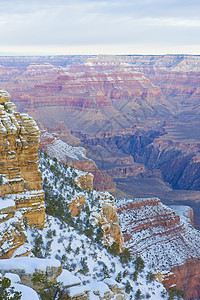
(166, 240)
(21, 194)
(101, 94)
(76, 157)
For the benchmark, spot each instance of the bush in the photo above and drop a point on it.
(89, 232)
(119, 277)
(114, 249)
(176, 294)
(135, 276)
(125, 256)
(84, 265)
(77, 251)
(38, 246)
(139, 264)
(99, 234)
(128, 287)
(1, 180)
(105, 271)
(50, 290)
(125, 273)
(7, 292)
(138, 295)
(149, 277)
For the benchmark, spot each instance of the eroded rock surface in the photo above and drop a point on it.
(165, 238)
(21, 194)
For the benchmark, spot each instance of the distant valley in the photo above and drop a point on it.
(137, 116)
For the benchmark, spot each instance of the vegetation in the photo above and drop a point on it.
(49, 290)
(114, 249)
(138, 295)
(119, 277)
(84, 270)
(125, 256)
(139, 264)
(1, 180)
(175, 294)
(7, 292)
(128, 287)
(63, 179)
(150, 277)
(60, 187)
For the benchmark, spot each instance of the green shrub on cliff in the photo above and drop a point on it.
(1, 180)
(49, 290)
(7, 292)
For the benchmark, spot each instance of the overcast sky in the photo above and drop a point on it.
(99, 27)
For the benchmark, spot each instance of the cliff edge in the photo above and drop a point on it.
(21, 194)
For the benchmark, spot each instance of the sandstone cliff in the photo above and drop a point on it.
(21, 194)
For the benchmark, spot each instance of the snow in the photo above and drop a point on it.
(27, 292)
(13, 277)
(78, 290)
(61, 150)
(71, 245)
(112, 282)
(184, 212)
(4, 203)
(23, 249)
(68, 278)
(167, 242)
(100, 287)
(29, 265)
(4, 94)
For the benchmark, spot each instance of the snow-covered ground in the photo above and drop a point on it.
(61, 150)
(75, 241)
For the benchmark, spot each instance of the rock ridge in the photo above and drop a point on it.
(21, 194)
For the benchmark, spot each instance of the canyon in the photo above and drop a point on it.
(136, 119)
(152, 98)
(22, 197)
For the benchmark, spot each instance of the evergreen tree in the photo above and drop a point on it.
(7, 292)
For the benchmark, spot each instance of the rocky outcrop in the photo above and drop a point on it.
(160, 217)
(126, 171)
(101, 180)
(25, 267)
(109, 220)
(76, 204)
(76, 157)
(21, 189)
(186, 277)
(12, 237)
(166, 240)
(86, 181)
(108, 289)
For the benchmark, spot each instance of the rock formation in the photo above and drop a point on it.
(26, 266)
(107, 93)
(76, 157)
(109, 220)
(165, 238)
(21, 189)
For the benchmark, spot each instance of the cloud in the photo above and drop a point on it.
(72, 23)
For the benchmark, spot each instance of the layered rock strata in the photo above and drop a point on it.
(165, 238)
(76, 157)
(21, 186)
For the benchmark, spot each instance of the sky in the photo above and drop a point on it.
(53, 27)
